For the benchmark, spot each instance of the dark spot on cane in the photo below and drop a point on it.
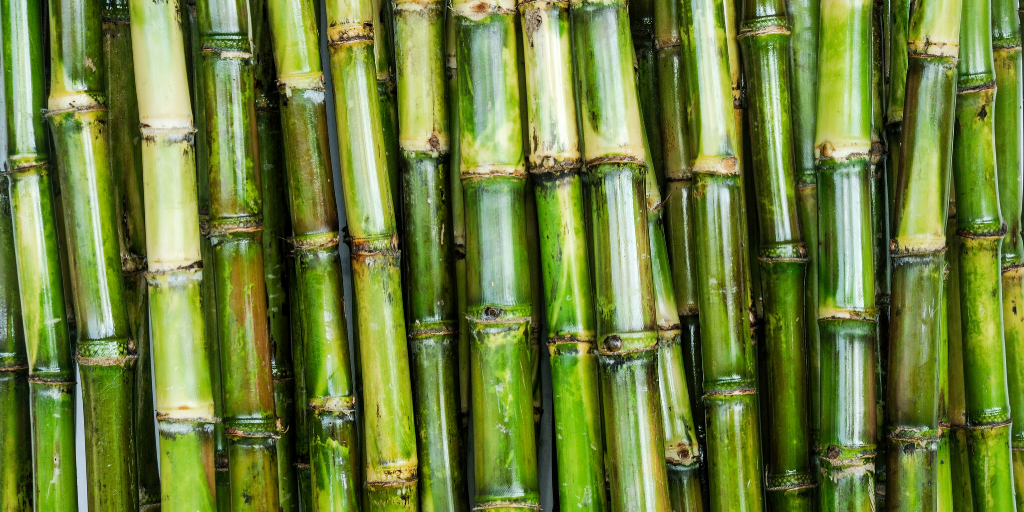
(492, 312)
(613, 343)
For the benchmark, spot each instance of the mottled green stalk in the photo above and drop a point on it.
(277, 259)
(556, 165)
(498, 291)
(676, 106)
(184, 394)
(48, 347)
(432, 314)
(15, 433)
(208, 286)
(917, 248)
(959, 467)
(126, 166)
(77, 113)
(729, 357)
(846, 291)
(389, 431)
(384, 62)
(899, 23)
(880, 220)
(334, 457)
(235, 229)
(803, 20)
(627, 335)
(765, 39)
(990, 407)
(680, 357)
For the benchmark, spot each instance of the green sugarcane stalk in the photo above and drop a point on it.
(34, 219)
(980, 233)
(846, 291)
(765, 39)
(235, 231)
(677, 363)
(917, 248)
(458, 217)
(278, 262)
(498, 291)
(1006, 50)
(683, 359)
(896, 51)
(384, 60)
(803, 19)
(193, 64)
(555, 162)
(641, 26)
(105, 351)
(389, 429)
(184, 392)
(945, 478)
(432, 315)
(15, 425)
(334, 457)
(627, 336)
(729, 357)
(126, 166)
(959, 468)
(880, 218)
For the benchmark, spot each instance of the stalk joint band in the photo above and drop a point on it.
(526, 4)
(408, 477)
(386, 246)
(227, 46)
(556, 165)
(627, 343)
(51, 379)
(919, 437)
(929, 49)
(989, 419)
(13, 361)
(177, 426)
(349, 33)
(764, 26)
(193, 269)
(919, 249)
(20, 166)
(316, 241)
(345, 405)
(491, 171)
(220, 229)
(258, 427)
(94, 351)
(719, 390)
(838, 456)
(682, 454)
(662, 43)
(790, 481)
(300, 81)
(717, 165)
(979, 231)
(506, 504)
(430, 330)
(479, 9)
(682, 175)
(74, 104)
(614, 160)
(570, 344)
(795, 252)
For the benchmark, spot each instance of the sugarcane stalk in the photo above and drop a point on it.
(126, 166)
(15, 433)
(556, 165)
(329, 387)
(432, 314)
(729, 358)
(626, 334)
(945, 478)
(384, 19)
(193, 63)
(389, 431)
(1006, 50)
(765, 40)
(498, 291)
(674, 102)
(77, 115)
(235, 228)
(34, 220)
(899, 21)
(959, 467)
(917, 249)
(987, 406)
(679, 358)
(979, 228)
(803, 19)
(880, 219)
(277, 259)
(846, 294)
(184, 393)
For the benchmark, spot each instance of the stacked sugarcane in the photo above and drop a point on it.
(579, 170)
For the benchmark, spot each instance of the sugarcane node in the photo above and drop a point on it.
(555, 165)
(504, 505)
(339, 34)
(764, 27)
(717, 165)
(663, 43)
(17, 171)
(967, 234)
